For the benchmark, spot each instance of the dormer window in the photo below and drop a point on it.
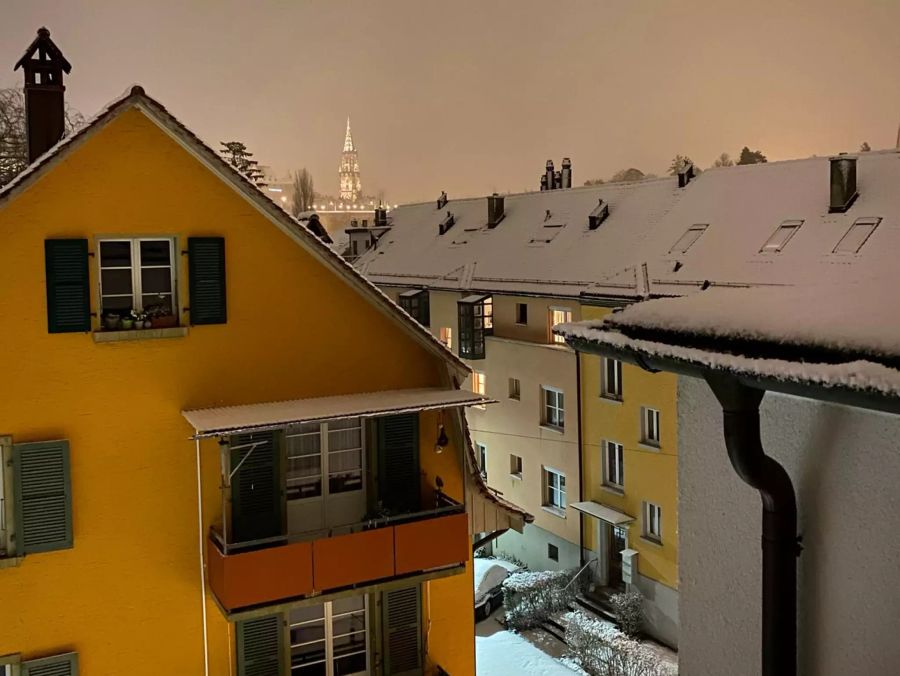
(686, 241)
(476, 320)
(781, 237)
(598, 215)
(856, 236)
(417, 305)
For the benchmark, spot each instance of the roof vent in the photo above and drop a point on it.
(566, 173)
(446, 224)
(598, 215)
(843, 183)
(495, 210)
(442, 200)
(686, 174)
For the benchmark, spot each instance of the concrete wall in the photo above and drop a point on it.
(845, 465)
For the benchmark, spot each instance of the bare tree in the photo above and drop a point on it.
(679, 162)
(303, 192)
(724, 160)
(865, 147)
(13, 135)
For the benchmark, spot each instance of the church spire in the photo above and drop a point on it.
(348, 138)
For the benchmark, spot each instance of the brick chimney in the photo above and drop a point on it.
(45, 107)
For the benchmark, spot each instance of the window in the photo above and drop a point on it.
(559, 316)
(856, 236)
(613, 464)
(555, 489)
(330, 639)
(554, 407)
(781, 237)
(476, 320)
(652, 522)
(515, 465)
(686, 241)
(611, 378)
(482, 459)
(521, 313)
(552, 552)
(478, 382)
(324, 457)
(649, 426)
(446, 337)
(416, 303)
(137, 274)
(515, 388)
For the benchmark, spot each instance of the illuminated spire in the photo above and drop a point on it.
(348, 138)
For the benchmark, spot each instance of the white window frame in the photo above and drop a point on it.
(860, 224)
(652, 522)
(650, 427)
(482, 459)
(328, 617)
(515, 389)
(616, 479)
(446, 336)
(689, 238)
(554, 492)
(780, 238)
(558, 315)
(610, 388)
(10, 665)
(324, 455)
(515, 466)
(137, 295)
(553, 415)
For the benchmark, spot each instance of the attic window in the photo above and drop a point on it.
(416, 303)
(856, 236)
(476, 320)
(686, 241)
(781, 237)
(598, 215)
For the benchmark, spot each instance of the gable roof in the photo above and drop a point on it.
(136, 98)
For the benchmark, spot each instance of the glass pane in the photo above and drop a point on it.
(115, 254)
(344, 439)
(155, 301)
(343, 461)
(307, 613)
(351, 664)
(342, 483)
(156, 252)
(120, 305)
(155, 280)
(348, 604)
(352, 625)
(115, 282)
(303, 444)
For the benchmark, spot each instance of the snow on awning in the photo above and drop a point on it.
(602, 512)
(210, 422)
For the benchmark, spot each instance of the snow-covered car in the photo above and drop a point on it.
(489, 577)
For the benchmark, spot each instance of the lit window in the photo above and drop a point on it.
(552, 552)
(478, 382)
(137, 274)
(416, 304)
(515, 465)
(613, 464)
(652, 522)
(559, 316)
(482, 460)
(686, 241)
(856, 236)
(324, 458)
(554, 489)
(781, 237)
(611, 378)
(446, 337)
(476, 320)
(649, 426)
(521, 313)
(515, 389)
(554, 407)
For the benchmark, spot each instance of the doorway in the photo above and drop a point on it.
(618, 541)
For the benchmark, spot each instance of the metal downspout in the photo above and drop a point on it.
(578, 402)
(780, 544)
(202, 562)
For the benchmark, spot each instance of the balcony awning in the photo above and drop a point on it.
(209, 422)
(602, 512)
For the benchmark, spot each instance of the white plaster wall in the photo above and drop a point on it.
(530, 547)
(660, 610)
(845, 465)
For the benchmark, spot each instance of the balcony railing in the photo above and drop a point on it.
(251, 574)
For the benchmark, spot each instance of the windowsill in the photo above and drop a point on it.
(515, 398)
(517, 477)
(614, 490)
(553, 428)
(649, 445)
(10, 561)
(611, 398)
(651, 541)
(555, 511)
(139, 334)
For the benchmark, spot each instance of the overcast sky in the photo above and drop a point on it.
(472, 96)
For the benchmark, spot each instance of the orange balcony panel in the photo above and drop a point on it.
(345, 560)
(263, 576)
(431, 543)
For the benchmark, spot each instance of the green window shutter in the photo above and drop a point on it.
(43, 496)
(398, 462)
(58, 665)
(206, 260)
(402, 622)
(68, 285)
(257, 498)
(259, 646)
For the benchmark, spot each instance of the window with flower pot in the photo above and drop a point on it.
(137, 282)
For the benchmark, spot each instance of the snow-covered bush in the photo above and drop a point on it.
(480, 553)
(602, 650)
(512, 559)
(531, 598)
(629, 609)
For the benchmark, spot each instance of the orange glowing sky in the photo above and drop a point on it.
(473, 96)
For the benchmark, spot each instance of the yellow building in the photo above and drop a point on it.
(233, 485)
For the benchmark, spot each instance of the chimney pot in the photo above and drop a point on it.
(548, 174)
(566, 173)
(843, 183)
(495, 210)
(686, 174)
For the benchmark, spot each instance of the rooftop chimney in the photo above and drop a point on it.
(544, 185)
(686, 174)
(566, 173)
(557, 180)
(45, 108)
(495, 210)
(446, 224)
(598, 215)
(380, 217)
(549, 174)
(843, 183)
(442, 200)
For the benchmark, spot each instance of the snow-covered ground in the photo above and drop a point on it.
(508, 653)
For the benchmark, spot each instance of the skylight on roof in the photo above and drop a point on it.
(686, 241)
(781, 237)
(856, 236)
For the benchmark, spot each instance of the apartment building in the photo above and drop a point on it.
(191, 458)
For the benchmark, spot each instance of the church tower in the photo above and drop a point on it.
(351, 187)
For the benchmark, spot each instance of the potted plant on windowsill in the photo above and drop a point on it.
(161, 317)
(111, 321)
(140, 319)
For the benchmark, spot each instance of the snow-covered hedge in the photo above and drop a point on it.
(531, 598)
(602, 650)
(629, 609)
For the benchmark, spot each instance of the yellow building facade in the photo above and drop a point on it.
(132, 589)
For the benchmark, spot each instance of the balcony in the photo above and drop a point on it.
(251, 575)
